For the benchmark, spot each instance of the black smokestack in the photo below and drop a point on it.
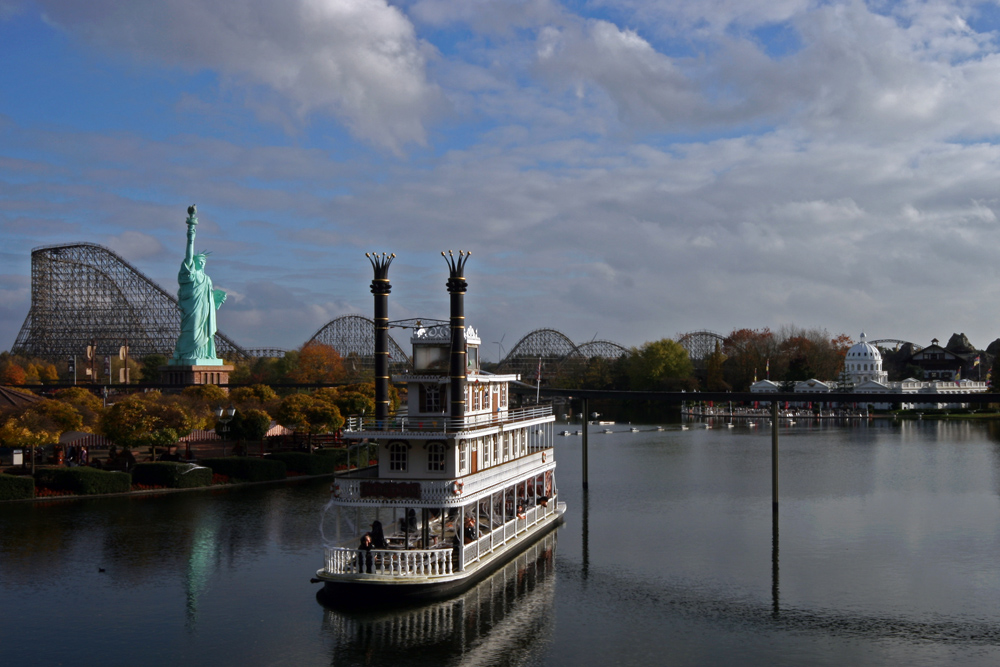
(456, 288)
(381, 288)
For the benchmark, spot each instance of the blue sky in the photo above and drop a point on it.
(623, 170)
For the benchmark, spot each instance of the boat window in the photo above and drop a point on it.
(463, 456)
(435, 457)
(398, 456)
(430, 398)
(431, 357)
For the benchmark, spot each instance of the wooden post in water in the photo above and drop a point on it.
(586, 421)
(774, 456)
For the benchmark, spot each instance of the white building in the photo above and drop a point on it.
(863, 371)
(863, 364)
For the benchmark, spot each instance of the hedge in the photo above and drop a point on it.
(340, 454)
(14, 487)
(246, 468)
(306, 464)
(171, 474)
(85, 481)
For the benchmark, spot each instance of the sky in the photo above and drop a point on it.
(620, 170)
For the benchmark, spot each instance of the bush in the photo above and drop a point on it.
(14, 487)
(171, 475)
(340, 455)
(85, 481)
(306, 464)
(246, 468)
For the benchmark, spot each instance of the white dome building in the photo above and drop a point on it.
(863, 363)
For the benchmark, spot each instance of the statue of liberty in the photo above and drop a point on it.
(198, 302)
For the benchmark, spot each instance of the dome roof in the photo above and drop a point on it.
(863, 351)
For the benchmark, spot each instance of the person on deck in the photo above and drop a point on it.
(471, 534)
(378, 536)
(366, 546)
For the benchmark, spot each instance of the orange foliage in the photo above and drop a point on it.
(318, 362)
(13, 374)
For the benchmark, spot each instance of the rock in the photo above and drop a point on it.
(959, 344)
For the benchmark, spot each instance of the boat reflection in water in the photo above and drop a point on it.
(498, 621)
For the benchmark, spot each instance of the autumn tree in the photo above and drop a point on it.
(28, 431)
(89, 406)
(748, 352)
(13, 374)
(304, 413)
(714, 378)
(348, 401)
(63, 417)
(142, 420)
(258, 394)
(318, 363)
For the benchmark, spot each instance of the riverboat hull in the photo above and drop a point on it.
(356, 590)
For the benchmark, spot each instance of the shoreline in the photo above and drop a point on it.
(155, 492)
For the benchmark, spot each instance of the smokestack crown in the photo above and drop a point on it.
(380, 265)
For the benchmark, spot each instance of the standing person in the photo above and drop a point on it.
(471, 534)
(366, 546)
(378, 536)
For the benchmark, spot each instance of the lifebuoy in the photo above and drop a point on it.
(335, 490)
(543, 457)
(456, 487)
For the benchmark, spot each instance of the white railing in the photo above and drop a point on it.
(389, 562)
(443, 424)
(442, 491)
(508, 531)
(397, 563)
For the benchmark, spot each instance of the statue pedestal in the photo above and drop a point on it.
(188, 374)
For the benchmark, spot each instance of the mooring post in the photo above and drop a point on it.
(774, 456)
(586, 418)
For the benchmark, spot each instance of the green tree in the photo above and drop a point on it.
(150, 367)
(251, 425)
(662, 365)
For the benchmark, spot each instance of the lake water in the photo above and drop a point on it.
(886, 551)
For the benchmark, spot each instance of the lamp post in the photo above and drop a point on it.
(224, 416)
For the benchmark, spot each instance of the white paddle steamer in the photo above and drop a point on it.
(464, 481)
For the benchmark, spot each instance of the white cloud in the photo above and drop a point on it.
(359, 60)
(135, 245)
